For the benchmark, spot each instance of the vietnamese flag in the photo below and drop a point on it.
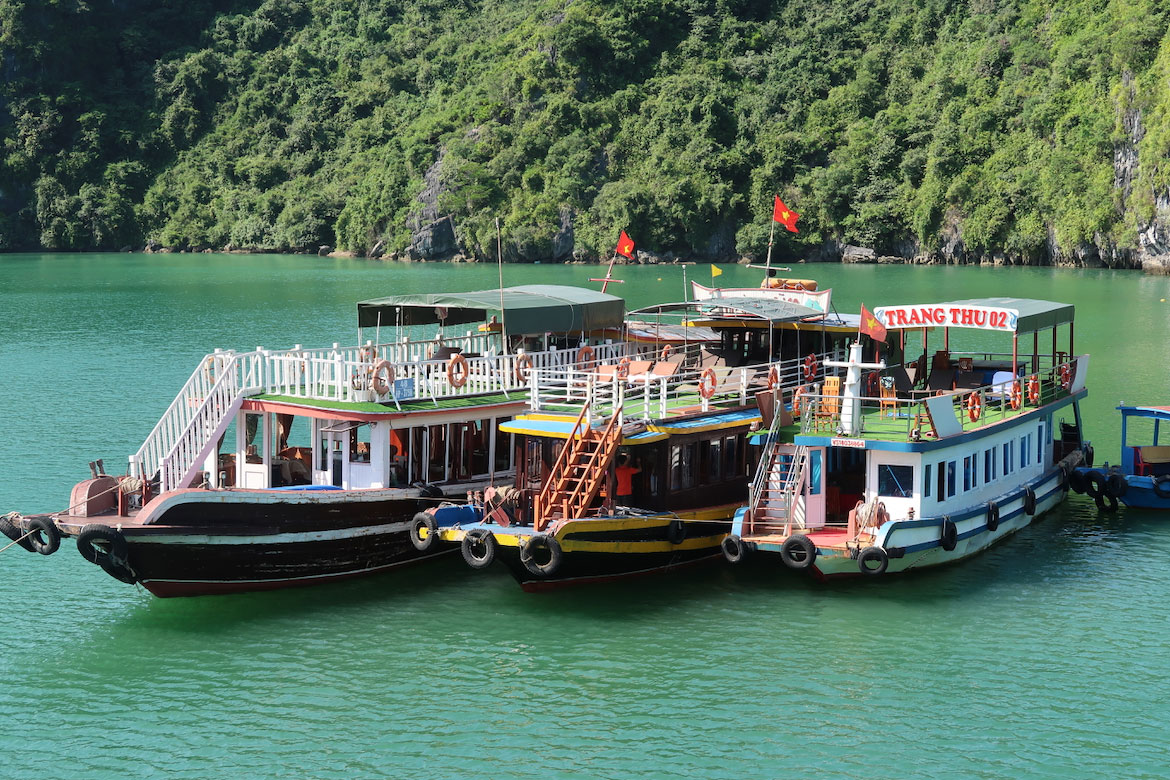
(785, 215)
(625, 246)
(870, 325)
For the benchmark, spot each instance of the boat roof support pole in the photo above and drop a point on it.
(1035, 350)
(1054, 344)
(1015, 354)
(1071, 351)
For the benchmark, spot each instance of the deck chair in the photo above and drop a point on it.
(1001, 386)
(638, 369)
(903, 381)
(606, 372)
(888, 399)
(830, 404)
(942, 359)
(941, 379)
(663, 368)
(968, 380)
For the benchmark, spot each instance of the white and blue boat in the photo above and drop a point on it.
(912, 463)
(1142, 480)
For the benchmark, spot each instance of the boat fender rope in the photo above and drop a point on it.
(798, 552)
(535, 549)
(734, 549)
(9, 529)
(875, 555)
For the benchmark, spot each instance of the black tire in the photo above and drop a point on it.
(948, 534)
(1106, 503)
(876, 554)
(1162, 486)
(45, 538)
(1029, 500)
(1089, 455)
(798, 552)
(479, 548)
(541, 555)
(12, 532)
(1116, 485)
(110, 544)
(676, 532)
(992, 516)
(1095, 484)
(734, 550)
(423, 520)
(1077, 481)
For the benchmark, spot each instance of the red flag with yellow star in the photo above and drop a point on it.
(785, 215)
(870, 325)
(625, 246)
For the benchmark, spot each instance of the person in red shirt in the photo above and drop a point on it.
(625, 479)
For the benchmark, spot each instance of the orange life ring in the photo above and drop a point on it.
(796, 400)
(974, 406)
(773, 378)
(623, 368)
(1065, 375)
(584, 355)
(707, 383)
(1017, 395)
(667, 351)
(381, 385)
(1033, 389)
(523, 366)
(810, 366)
(457, 378)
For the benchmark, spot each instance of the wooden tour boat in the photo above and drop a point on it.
(1142, 479)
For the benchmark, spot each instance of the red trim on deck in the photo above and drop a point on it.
(251, 405)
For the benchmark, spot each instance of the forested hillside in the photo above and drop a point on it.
(1023, 132)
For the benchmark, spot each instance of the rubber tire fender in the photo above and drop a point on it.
(1029, 500)
(948, 534)
(1116, 485)
(798, 552)
(119, 570)
(96, 532)
(482, 538)
(423, 520)
(1089, 455)
(734, 550)
(535, 542)
(51, 539)
(876, 554)
(1077, 482)
(12, 532)
(992, 516)
(1106, 503)
(1095, 484)
(676, 532)
(1162, 486)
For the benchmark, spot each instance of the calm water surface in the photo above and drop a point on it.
(1045, 657)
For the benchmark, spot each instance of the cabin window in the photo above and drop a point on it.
(716, 461)
(950, 478)
(926, 482)
(251, 427)
(1040, 443)
(1007, 458)
(968, 473)
(359, 444)
(505, 442)
(895, 481)
(814, 472)
(941, 493)
(989, 460)
(682, 466)
(1025, 450)
(729, 456)
(703, 465)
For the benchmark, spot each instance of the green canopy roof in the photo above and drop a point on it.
(1034, 314)
(768, 309)
(527, 309)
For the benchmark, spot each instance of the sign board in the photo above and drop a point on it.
(818, 300)
(404, 389)
(928, 316)
(855, 443)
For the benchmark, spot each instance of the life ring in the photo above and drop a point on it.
(734, 550)
(667, 351)
(948, 534)
(1065, 375)
(974, 406)
(380, 385)
(798, 552)
(9, 529)
(479, 548)
(1096, 484)
(584, 356)
(457, 370)
(874, 554)
(423, 520)
(523, 367)
(1029, 500)
(1116, 485)
(676, 532)
(810, 366)
(1162, 486)
(1017, 396)
(623, 368)
(773, 378)
(796, 400)
(47, 544)
(707, 383)
(1033, 389)
(1076, 481)
(1106, 503)
(541, 555)
(992, 516)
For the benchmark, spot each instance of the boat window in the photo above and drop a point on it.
(950, 478)
(1025, 449)
(1040, 443)
(968, 472)
(926, 482)
(717, 460)
(941, 493)
(1007, 458)
(729, 457)
(505, 443)
(814, 473)
(703, 464)
(359, 444)
(895, 481)
(251, 444)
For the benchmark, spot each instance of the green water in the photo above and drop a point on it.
(1044, 657)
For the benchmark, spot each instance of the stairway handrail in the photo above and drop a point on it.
(543, 498)
(572, 500)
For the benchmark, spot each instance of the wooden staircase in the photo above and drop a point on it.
(779, 479)
(580, 471)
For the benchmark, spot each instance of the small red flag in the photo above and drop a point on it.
(870, 325)
(785, 215)
(625, 246)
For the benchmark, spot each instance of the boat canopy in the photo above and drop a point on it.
(527, 309)
(1157, 412)
(1013, 315)
(737, 308)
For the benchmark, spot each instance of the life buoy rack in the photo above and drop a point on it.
(707, 383)
(623, 368)
(523, 367)
(382, 377)
(810, 366)
(773, 378)
(1033, 389)
(1016, 398)
(974, 407)
(1065, 375)
(667, 351)
(457, 370)
(584, 356)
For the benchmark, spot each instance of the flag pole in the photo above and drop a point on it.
(768, 263)
(500, 265)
